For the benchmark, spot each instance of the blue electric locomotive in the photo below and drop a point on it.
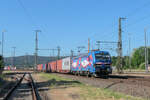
(95, 63)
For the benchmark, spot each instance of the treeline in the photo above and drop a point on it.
(27, 61)
(1, 64)
(137, 59)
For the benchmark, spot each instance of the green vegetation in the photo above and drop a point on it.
(1, 62)
(93, 93)
(2, 77)
(59, 81)
(87, 92)
(137, 59)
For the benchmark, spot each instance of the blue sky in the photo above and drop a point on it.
(69, 23)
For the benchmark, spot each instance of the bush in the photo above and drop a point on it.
(142, 66)
(1, 62)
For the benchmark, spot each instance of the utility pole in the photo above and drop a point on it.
(3, 47)
(26, 60)
(146, 60)
(88, 45)
(98, 44)
(14, 53)
(3, 41)
(80, 48)
(58, 56)
(36, 48)
(119, 65)
(147, 56)
(129, 52)
(53, 50)
(71, 53)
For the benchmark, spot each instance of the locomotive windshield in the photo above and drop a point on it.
(102, 56)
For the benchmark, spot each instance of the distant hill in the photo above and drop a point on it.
(27, 60)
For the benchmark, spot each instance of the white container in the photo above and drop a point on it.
(66, 63)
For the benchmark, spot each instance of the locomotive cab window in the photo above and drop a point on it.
(102, 56)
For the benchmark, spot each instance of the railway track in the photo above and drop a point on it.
(31, 85)
(35, 94)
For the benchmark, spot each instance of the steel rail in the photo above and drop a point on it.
(6, 97)
(35, 94)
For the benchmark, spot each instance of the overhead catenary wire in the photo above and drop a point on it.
(110, 35)
(132, 13)
(27, 13)
(31, 19)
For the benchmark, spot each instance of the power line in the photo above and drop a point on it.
(138, 9)
(26, 12)
(132, 14)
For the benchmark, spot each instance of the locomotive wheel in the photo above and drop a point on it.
(87, 74)
(78, 73)
(75, 73)
(93, 75)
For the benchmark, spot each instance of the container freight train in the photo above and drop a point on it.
(95, 63)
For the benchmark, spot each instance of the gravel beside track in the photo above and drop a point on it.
(138, 86)
(7, 85)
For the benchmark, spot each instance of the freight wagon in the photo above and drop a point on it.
(52, 66)
(95, 63)
(42, 67)
(60, 66)
(39, 67)
(66, 65)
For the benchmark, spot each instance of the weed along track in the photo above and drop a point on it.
(24, 88)
(130, 85)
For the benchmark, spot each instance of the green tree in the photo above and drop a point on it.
(1, 62)
(114, 60)
(125, 62)
(138, 57)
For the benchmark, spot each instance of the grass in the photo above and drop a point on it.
(134, 70)
(7, 71)
(88, 92)
(2, 77)
(59, 81)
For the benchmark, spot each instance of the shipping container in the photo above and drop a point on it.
(59, 65)
(44, 67)
(53, 66)
(49, 67)
(66, 65)
(39, 67)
